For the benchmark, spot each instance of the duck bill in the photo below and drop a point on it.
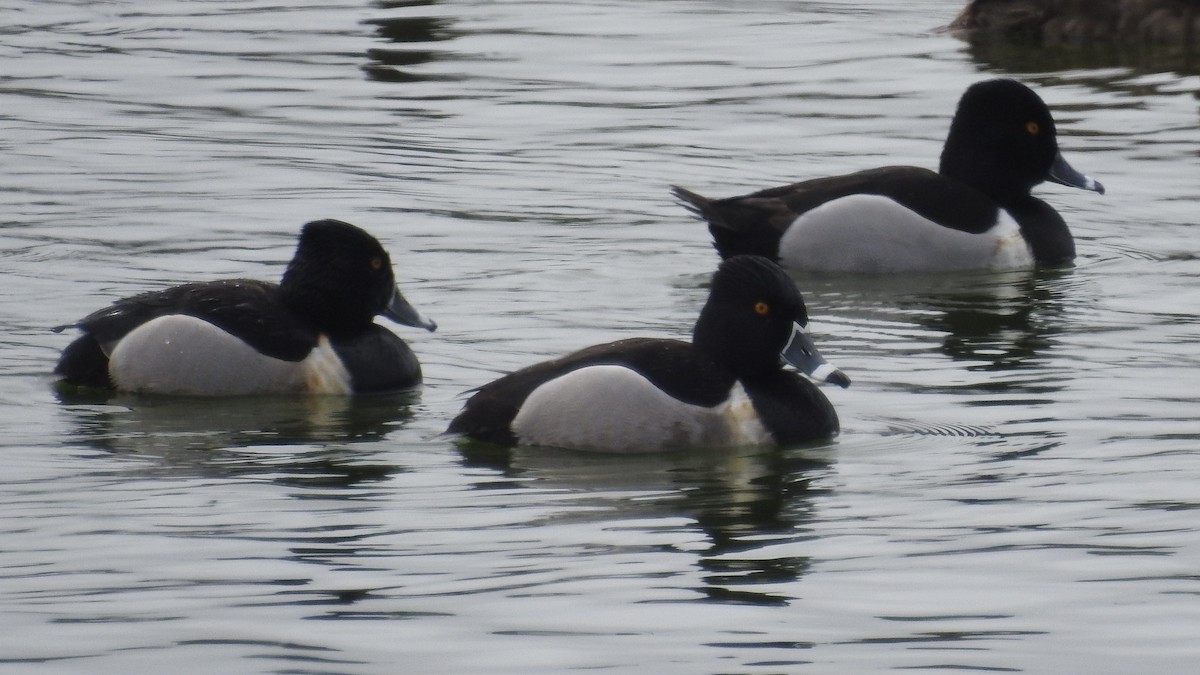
(399, 310)
(1064, 174)
(802, 353)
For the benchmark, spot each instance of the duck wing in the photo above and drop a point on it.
(675, 366)
(753, 223)
(245, 308)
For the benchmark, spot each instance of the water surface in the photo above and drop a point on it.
(1015, 488)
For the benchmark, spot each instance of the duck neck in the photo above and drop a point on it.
(722, 341)
(976, 156)
(324, 312)
(985, 179)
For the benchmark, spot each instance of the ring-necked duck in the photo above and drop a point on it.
(727, 387)
(312, 333)
(1058, 21)
(975, 213)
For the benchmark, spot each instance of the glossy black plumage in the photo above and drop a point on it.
(742, 330)
(338, 281)
(1002, 142)
(676, 366)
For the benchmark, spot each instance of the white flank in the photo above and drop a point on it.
(871, 233)
(184, 355)
(610, 408)
(324, 372)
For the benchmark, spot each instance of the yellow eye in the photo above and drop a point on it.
(1033, 128)
(761, 308)
(376, 263)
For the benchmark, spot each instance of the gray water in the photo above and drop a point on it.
(1017, 484)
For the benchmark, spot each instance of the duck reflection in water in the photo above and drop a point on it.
(415, 37)
(296, 440)
(992, 321)
(742, 501)
(1008, 326)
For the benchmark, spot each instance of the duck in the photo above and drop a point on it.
(975, 213)
(725, 388)
(1080, 21)
(314, 332)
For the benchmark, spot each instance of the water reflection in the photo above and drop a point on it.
(1049, 37)
(1019, 56)
(998, 324)
(991, 321)
(395, 64)
(237, 436)
(745, 501)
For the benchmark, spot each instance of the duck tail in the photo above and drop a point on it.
(699, 205)
(736, 227)
(84, 364)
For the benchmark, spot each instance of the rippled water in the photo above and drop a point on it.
(1015, 489)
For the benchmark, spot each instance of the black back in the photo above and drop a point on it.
(338, 280)
(676, 367)
(752, 224)
(739, 336)
(247, 308)
(1001, 143)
